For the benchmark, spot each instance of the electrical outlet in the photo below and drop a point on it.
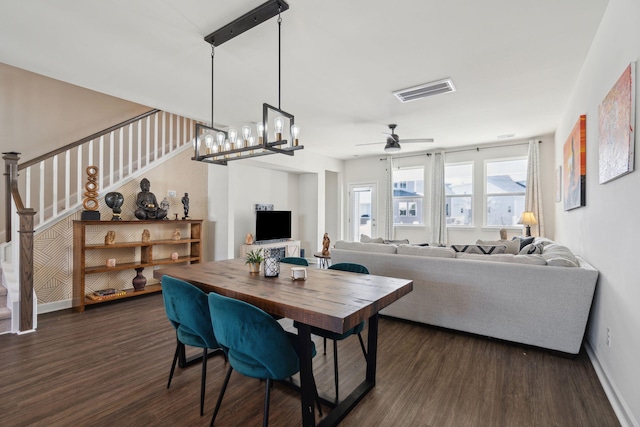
(171, 193)
(608, 337)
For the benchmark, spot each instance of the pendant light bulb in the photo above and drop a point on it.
(278, 124)
(295, 133)
(233, 136)
(220, 137)
(246, 132)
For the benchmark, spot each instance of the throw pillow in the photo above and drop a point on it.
(480, 249)
(530, 249)
(559, 256)
(397, 242)
(377, 240)
(524, 241)
(513, 246)
(365, 239)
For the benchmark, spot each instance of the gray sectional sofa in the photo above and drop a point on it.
(539, 299)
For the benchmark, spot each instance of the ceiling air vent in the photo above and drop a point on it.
(427, 89)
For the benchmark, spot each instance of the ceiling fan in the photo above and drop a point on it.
(393, 140)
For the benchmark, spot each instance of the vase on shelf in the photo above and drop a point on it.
(139, 282)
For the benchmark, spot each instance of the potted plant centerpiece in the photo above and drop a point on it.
(254, 259)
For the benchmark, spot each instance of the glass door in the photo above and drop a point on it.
(362, 211)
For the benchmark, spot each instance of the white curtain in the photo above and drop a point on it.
(533, 193)
(438, 201)
(388, 201)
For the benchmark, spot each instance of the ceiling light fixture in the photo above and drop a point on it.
(218, 146)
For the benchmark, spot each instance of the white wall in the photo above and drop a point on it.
(605, 231)
(289, 183)
(372, 169)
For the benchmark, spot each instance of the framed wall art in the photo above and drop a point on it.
(558, 184)
(616, 124)
(575, 166)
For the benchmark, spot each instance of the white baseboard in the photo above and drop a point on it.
(625, 417)
(48, 307)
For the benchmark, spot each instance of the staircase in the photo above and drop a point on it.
(51, 187)
(5, 312)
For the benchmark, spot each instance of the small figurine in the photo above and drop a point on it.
(503, 234)
(110, 238)
(147, 204)
(164, 204)
(185, 203)
(325, 244)
(176, 234)
(249, 239)
(146, 235)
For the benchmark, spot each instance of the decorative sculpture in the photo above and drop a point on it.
(90, 202)
(164, 204)
(110, 238)
(503, 234)
(325, 244)
(115, 200)
(147, 204)
(176, 234)
(146, 235)
(185, 203)
(249, 239)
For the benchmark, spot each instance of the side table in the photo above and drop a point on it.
(325, 260)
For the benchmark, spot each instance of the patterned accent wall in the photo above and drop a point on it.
(53, 247)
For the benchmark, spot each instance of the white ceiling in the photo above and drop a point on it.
(513, 62)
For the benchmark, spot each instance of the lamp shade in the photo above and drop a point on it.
(528, 218)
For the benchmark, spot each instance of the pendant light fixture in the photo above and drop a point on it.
(218, 146)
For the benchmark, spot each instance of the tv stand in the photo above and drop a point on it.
(292, 247)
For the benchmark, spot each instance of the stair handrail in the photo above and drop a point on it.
(96, 135)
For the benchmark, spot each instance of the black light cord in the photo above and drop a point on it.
(279, 56)
(212, 55)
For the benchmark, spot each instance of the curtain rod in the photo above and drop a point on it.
(461, 150)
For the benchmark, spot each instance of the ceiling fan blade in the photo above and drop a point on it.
(371, 143)
(416, 140)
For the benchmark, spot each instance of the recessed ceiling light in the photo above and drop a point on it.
(507, 135)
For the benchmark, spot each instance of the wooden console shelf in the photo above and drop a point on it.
(90, 254)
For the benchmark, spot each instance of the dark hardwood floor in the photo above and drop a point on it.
(109, 367)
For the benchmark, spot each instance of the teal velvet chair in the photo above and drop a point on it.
(335, 337)
(295, 260)
(187, 308)
(255, 343)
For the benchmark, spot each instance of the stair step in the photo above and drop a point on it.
(5, 313)
(3, 291)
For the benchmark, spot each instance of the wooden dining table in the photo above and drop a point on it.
(329, 299)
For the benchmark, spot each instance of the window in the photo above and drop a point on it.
(506, 181)
(408, 196)
(458, 187)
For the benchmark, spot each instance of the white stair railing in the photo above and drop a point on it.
(118, 152)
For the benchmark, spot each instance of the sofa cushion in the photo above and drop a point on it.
(559, 256)
(524, 241)
(480, 249)
(366, 239)
(366, 247)
(431, 251)
(516, 259)
(513, 246)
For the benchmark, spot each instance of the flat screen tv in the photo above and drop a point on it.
(273, 225)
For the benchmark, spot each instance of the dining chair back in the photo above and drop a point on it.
(187, 309)
(349, 266)
(295, 260)
(256, 344)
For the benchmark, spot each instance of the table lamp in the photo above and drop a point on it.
(528, 218)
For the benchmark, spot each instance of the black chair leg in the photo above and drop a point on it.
(203, 380)
(224, 388)
(265, 421)
(175, 359)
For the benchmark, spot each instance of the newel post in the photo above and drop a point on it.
(26, 239)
